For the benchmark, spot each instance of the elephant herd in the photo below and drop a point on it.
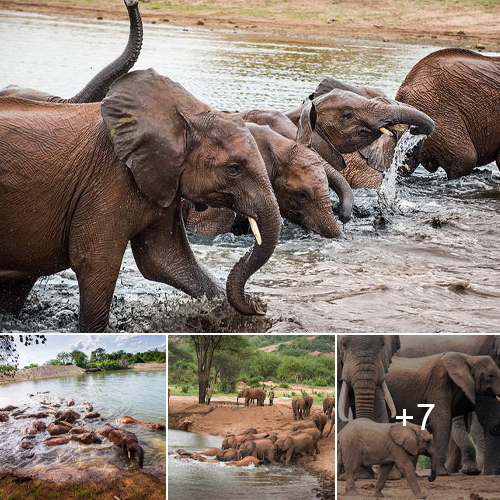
(62, 429)
(382, 376)
(267, 444)
(135, 158)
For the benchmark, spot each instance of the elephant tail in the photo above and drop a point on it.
(135, 448)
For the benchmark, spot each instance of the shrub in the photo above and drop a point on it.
(285, 386)
(293, 394)
(185, 389)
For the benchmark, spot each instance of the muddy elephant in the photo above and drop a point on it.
(147, 143)
(451, 381)
(300, 444)
(133, 421)
(263, 449)
(86, 437)
(363, 361)
(328, 405)
(308, 402)
(460, 90)
(244, 462)
(314, 433)
(127, 441)
(227, 455)
(320, 420)
(363, 443)
(300, 184)
(483, 451)
(97, 88)
(258, 394)
(298, 408)
(4, 417)
(59, 427)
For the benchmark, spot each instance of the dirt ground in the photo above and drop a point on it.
(40, 372)
(454, 487)
(465, 23)
(186, 414)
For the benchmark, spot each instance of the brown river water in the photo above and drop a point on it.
(432, 265)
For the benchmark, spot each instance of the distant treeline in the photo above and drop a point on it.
(289, 364)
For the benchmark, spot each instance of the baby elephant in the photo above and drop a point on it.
(127, 441)
(363, 443)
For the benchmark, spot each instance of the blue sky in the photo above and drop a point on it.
(56, 343)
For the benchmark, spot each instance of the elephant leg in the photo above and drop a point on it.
(162, 253)
(13, 294)
(385, 470)
(288, 456)
(441, 430)
(478, 437)
(461, 442)
(405, 465)
(350, 485)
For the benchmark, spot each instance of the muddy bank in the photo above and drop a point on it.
(40, 372)
(105, 484)
(446, 22)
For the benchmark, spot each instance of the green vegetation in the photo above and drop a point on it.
(236, 358)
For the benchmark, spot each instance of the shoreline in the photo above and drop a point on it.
(473, 26)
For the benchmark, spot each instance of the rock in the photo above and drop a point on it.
(99, 18)
(153, 22)
(385, 39)
(200, 22)
(330, 20)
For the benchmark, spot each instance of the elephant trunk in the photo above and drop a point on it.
(98, 87)
(495, 430)
(434, 464)
(339, 184)
(269, 222)
(406, 115)
(140, 453)
(364, 388)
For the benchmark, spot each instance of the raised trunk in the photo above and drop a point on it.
(269, 221)
(338, 183)
(406, 115)
(98, 87)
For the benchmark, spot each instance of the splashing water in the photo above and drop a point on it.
(387, 192)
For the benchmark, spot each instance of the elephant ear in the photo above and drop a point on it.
(392, 344)
(496, 348)
(379, 153)
(145, 114)
(307, 123)
(459, 370)
(406, 437)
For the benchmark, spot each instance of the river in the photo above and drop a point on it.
(431, 267)
(140, 395)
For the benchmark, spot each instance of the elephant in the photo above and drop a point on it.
(32, 415)
(92, 415)
(127, 441)
(97, 88)
(67, 416)
(300, 184)
(84, 438)
(244, 462)
(212, 452)
(130, 420)
(314, 433)
(226, 455)
(459, 89)
(9, 408)
(332, 425)
(362, 363)
(298, 408)
(26, 442)
(149, 143)
(363, 443)
(256, 393)
(486, 447)
(59, 427)
(451, 381)
(308, 402)
(328, 405)
(4, 417)
(263, 449)
(299, 444)
(40, 425)
(320, 420)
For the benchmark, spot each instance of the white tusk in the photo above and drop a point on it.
(385, 131)
(397, 128)
(129, 455)
(498, 398)
(255, 230)
(388, 399)
(341, 405)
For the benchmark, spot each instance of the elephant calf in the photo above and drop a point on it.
(127, 441)
(363, 443)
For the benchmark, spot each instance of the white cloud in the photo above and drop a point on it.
(87, 344)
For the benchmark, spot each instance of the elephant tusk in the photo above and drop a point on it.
(385, 131)
(498, 398)
(129, 455)
(255, 230)
(343, 398)
(397, 128)
(388, 399)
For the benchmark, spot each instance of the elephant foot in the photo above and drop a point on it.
(470, 469)
(352, 492)
(378, 494)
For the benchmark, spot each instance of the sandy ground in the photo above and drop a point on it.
(454, 487)
(145, 367)
(186, 414)
(445, 22)
(42, 372)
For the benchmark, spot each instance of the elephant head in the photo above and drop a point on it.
(416, 442)
(174, 144)
(134, 449)
(364, 361)
(246, 449)
(242, 394)
(282, 445)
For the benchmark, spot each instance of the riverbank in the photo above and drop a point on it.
(185, 413)
(468, 24)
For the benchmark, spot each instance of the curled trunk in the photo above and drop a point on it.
(338, 183)
(400, 114)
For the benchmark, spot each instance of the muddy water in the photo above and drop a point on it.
(138, 394)
(194, 479)
(432, 266)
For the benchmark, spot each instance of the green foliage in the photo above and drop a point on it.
(108, 365)
(32, 365)
(79, 358)
(64, 358)
(53, 362)
(423, 462)
(185, 389)
(284, 386)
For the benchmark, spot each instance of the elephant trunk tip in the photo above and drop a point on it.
(432, 477)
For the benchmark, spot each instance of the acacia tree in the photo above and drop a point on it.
(8, 350)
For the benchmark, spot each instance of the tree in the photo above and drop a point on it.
(8, 351)
(79, 358)
(97, 355)
(64, 358)
(226, 365)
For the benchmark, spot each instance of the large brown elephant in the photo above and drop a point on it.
(460, 90)
(328, 405)
(363, 443)
(298, 408)
(484, 450)
(127, 441)
(100, 175)
(451, 381)
(98, 87)
(300, 184)
(300, 444)
(263, 449)
(256, 393)
(308, 402)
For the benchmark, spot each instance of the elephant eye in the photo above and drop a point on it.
(302, 196)
(233, 169)
(348, 114)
